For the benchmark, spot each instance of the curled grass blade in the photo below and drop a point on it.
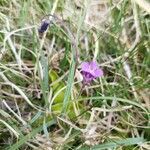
(27, 137)
(10, 128)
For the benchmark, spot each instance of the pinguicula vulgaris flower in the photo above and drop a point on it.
(90, 71)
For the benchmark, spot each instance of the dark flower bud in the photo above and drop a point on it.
(44, 25)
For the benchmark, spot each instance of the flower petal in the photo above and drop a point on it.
(85, 66)
(98, 72)
(90, 71)
(93, 65)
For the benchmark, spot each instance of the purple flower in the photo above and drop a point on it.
(44, 25)
(90, 71)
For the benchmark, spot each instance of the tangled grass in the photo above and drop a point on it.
(43, 104)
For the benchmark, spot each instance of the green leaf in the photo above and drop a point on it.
(57, 86)
(58, 100)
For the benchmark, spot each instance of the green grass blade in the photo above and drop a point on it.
(45, 81)
(116, 143)
(131, 102)
(10, 128)
(69, 87)
(27, 137)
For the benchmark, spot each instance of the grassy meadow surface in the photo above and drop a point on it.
(43, 103)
